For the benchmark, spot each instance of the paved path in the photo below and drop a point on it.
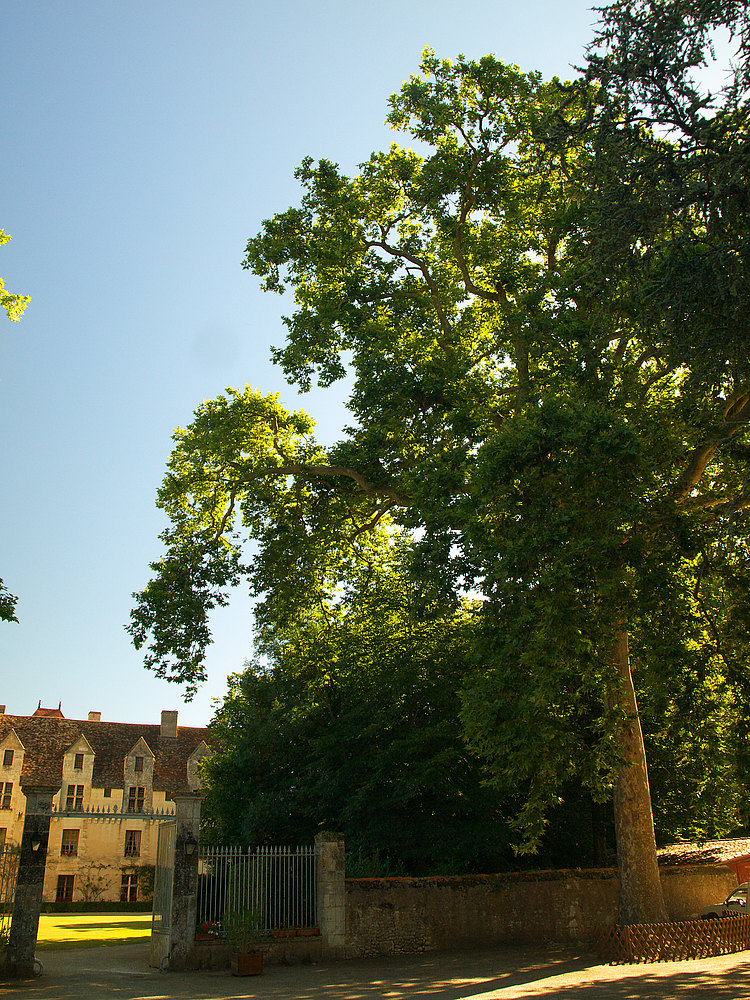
(120, 971)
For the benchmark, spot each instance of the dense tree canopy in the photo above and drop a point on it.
(354, 724)
(544, 312)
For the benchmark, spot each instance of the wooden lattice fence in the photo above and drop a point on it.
(672, 942)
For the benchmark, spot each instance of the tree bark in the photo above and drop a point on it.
(641, 898)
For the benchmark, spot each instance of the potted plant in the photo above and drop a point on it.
(243, 933)
(208, 930)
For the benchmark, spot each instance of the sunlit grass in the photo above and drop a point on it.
(86, 930)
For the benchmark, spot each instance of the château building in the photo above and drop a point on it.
(116, 784)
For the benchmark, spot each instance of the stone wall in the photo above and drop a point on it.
(397, 916)
(688, 888)
(407, 915)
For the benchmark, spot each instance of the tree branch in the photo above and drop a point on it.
(400, 499)
(708, 501)
(374, 520)
(736, 412)
(424, 270)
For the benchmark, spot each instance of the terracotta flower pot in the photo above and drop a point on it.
(248, 964)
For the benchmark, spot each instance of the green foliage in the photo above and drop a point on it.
(236, 442)
(361, 863)
(242, 930)
(8, 603)
(650, 56)
(354, 726)
(694, 718)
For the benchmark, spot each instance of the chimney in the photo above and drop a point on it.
(2, 709)
(95, 716)
(169, 724)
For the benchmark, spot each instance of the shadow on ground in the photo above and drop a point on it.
(121, 972)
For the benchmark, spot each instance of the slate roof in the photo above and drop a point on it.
(46, 740)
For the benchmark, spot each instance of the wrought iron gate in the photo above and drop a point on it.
(278, 883)
(9, 855)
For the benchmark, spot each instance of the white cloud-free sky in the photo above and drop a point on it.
(142, 144)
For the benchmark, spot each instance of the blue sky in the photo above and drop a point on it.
(143, 143)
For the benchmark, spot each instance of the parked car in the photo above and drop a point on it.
(732, 905)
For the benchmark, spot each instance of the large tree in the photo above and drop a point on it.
(546, 392)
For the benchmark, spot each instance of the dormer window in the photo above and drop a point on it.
(138, 765)
(7, 758)
(78, 757)
(136, 798)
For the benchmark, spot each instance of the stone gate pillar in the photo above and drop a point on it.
(27, 903)
(185, 885)
(329, 849)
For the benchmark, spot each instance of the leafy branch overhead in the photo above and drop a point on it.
(244, 465)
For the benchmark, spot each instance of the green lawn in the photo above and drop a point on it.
(84, 930)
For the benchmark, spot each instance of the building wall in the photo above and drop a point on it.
(101, 860)
(12, 810)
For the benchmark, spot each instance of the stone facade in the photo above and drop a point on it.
(114, 784)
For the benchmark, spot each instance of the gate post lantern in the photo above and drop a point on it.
(32, 861)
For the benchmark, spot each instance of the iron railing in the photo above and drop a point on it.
(9, 854)
(277, 883)
(114, 812)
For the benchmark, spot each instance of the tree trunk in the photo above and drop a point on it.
(641, 898)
